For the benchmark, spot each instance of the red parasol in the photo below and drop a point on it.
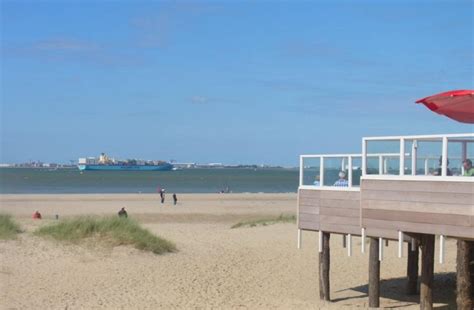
(455, 104)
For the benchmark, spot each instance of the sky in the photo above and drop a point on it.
(224, 81)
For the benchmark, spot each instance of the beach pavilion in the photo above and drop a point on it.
(410, 189)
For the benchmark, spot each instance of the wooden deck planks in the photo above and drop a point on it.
(307, 217)
(441, 208)
(384, 207)
(342, 212)
(308, 225)
(340, 203)
(447, 230)
(332, 211)
(311, 210)
(429, 207)
(417, 217)
(420, 186)
(340, 229)
(413, 196)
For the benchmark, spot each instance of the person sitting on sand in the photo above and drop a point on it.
(122, 213)
(342, 182)
(37, 215)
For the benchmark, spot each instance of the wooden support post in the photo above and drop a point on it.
(362, 237)
(427, 270)
(472, 270)
(298, 245)
(412, 270)
(374, 273)
(464, 285)
(324, 264)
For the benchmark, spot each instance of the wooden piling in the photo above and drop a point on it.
(427, 270)
(412, 270)
(472, 270)
(374, 273)
(324, 264)
(464, 276)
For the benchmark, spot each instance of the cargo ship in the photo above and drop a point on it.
(105, 163)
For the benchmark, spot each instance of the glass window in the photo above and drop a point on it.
(336, 171)
(383, 157)
(311, 170)
(461, 156)
(356, 170)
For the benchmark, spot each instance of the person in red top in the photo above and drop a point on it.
(37, 215)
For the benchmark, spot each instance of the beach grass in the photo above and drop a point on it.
(107, 230)
(8, 227)
(282, 218)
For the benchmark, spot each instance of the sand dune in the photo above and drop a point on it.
(216, 267)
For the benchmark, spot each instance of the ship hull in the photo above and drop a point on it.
(165, 167)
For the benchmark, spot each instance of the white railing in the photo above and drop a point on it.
(346, 165)
(463, 140)
(343, 167)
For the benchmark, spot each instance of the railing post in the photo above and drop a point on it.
(402, 156)
(381, 165)
(464, 155)
(301, 170)
(364, 157)
(444, 161)
(349, 167)
(321, 171)
(414, 155)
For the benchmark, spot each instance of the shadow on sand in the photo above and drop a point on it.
(443, 292)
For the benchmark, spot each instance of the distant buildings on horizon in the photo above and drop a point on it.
(37, 164)
(178, 165)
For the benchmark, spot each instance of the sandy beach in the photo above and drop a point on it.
(215, 266)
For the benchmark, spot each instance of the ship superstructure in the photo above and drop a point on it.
(107, 163)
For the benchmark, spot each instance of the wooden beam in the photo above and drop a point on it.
(427, 271)
(324, 265)
(374, 273)
(412, 270)
(464, 285)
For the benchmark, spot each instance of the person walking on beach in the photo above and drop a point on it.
(175, 199)
(122, 213)
(162, 195)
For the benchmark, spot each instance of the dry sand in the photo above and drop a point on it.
(215, 267)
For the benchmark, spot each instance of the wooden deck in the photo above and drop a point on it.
(329, 211)
(429, 207)
(384, 207)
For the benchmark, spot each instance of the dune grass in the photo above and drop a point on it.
(107, 230)
(8, 227)
(282, 218)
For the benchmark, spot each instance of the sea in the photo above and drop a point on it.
(64, 181)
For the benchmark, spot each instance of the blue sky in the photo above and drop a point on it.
(232, 82)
